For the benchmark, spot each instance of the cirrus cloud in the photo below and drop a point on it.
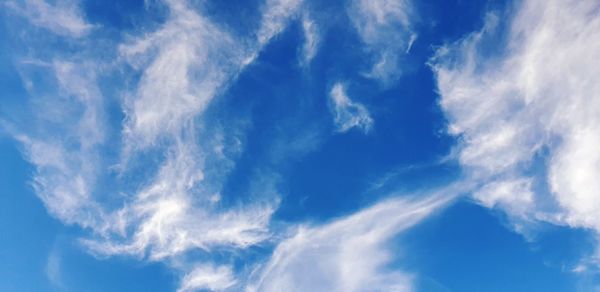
(528, 112)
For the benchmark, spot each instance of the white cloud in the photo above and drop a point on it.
(276, 15)
(66, 168)
(348, 114)
(349, 254)
(208, 278)
(311, 39)
(528, 112)
(54, 268)
(385, 27)
(62, 18)
(183, 65)
(188, 60)
(515, 194)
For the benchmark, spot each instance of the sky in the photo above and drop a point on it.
(298, 145)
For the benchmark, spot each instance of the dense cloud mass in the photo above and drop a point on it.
(531, 104)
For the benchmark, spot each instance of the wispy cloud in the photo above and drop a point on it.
(513, 111)
(349, 254)
(528, 112)
(311, 39)
(187, 61)
(183, 66)
(67, 168)
(385, 27)
(275, 17)
(208, 278)
(54, 268)
(348, 114)
(62, 17)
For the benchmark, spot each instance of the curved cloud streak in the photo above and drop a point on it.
(349, 254)
(348, 114)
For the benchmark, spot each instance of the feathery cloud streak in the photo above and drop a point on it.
(349, 254)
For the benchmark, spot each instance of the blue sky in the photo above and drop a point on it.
(295, 145)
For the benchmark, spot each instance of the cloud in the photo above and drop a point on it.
(54, 268)
(184, 65)
(65, 169)
(186, 62)
(159, 203)
(275, 17)
(348, 114)
(189, 61)
(311, 39)
(208, 278)
(385, 27)
(170, 210)
(349, 254)
(62, 18)
(528, 112)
